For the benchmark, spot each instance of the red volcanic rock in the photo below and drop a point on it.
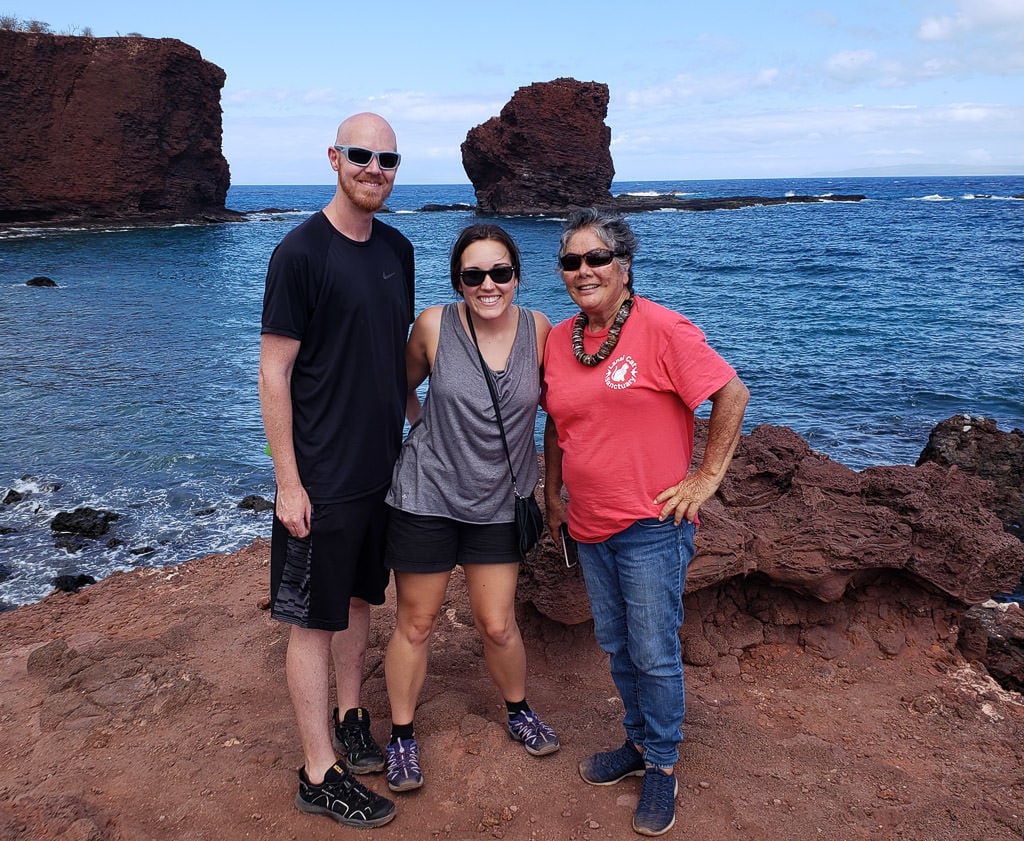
(812, 526)
(108, 128)
(994, 635)
(977, 446)
(800, 550)
(547, 151)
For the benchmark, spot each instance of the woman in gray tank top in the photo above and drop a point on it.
(451, 492)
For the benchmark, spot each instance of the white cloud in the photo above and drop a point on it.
(688, 88)
(790, 142)
(850, 61)
(1001, 19)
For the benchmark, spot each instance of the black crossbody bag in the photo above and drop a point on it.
(529, 520)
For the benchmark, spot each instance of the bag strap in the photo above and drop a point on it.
(494, 400)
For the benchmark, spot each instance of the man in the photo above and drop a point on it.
(336, 312)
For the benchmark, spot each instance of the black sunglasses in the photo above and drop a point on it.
(499, 274)
(361, 157)
(595, 259)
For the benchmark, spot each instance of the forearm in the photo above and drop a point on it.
(413, 408)
(552, 462)
(724, 429)
(555, 510)
(276, 407)
(683, 500)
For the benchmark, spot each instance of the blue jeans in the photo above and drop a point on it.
(635, 583)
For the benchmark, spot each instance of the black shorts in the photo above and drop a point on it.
(422, 543)
(312, 579)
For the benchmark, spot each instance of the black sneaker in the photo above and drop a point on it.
(342, 797)
(352, 738)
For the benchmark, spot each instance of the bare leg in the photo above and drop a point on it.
(420, 596)
(348, 649)
(307, 668)
(492, 596)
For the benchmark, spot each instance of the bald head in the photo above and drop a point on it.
(369, 130)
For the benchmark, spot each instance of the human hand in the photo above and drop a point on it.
(683, 500)
(292, 507)
(555, 514)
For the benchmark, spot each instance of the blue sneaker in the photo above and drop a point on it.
(604, 769)
(656, 812)
(403, 759)
(536, 736)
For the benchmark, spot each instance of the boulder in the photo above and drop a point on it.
(977, 446)
(257, 503)
(72, 583)
(993, 634)
(97, 129)
(85, 521)
(548, 150)
(788, 519)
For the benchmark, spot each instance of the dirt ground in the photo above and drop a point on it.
(153, 706)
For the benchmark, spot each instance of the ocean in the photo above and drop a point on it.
(132, 386)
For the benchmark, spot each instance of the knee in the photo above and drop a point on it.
(658, 658)
(416, 629)
(499, 631)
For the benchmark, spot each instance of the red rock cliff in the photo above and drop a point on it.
(108, 128)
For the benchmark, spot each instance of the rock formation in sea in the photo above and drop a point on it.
(97, 129)
(547, 150)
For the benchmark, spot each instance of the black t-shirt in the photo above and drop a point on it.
(350, 305)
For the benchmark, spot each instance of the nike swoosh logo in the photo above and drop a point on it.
(389, 275)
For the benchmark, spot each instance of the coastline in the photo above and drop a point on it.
(175, 675)
(812, 711)
(625, 203)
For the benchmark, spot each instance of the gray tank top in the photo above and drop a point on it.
(452, 463)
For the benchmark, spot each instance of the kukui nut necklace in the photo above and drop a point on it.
(592, 359)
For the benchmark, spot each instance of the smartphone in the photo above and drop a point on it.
(572, 557)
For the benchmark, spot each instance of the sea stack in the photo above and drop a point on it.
(548, 151)
(99, 129)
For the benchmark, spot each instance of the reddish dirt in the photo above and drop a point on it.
(152, 706)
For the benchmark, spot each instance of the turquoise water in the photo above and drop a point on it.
(132, 386)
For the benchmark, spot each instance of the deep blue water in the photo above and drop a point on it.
(132, 386)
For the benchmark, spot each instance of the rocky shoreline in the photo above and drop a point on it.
(622, 204)
(836, 682)
(662, 201)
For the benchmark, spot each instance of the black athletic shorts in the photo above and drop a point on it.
(422, 543)
(312, 579)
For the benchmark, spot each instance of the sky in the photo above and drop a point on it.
(698, 90)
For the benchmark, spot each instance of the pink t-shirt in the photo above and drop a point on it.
(625, 427)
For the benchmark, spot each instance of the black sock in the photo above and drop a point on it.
(401, 731)
(517, 707)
